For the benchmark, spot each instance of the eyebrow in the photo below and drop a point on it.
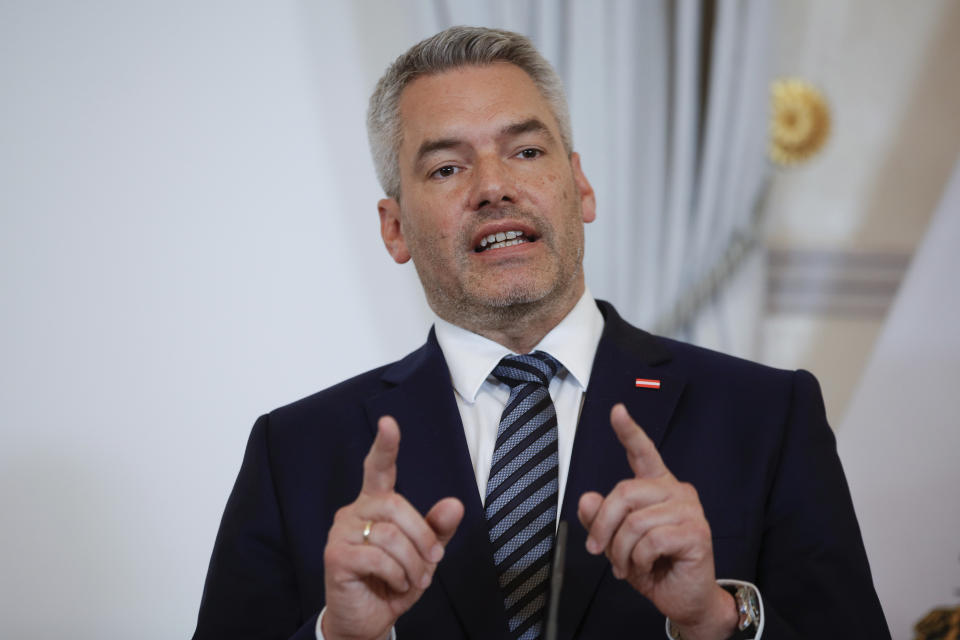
(429, 146)
(530, 125)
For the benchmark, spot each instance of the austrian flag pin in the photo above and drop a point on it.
(647, 383)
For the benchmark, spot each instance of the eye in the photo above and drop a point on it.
(445, 171)
(529, 153)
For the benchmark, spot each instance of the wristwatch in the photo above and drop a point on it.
(749, 611)
(748, 607)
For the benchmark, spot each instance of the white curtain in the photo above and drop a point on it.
(669, 102)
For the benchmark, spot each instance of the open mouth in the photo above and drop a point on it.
(501, 240)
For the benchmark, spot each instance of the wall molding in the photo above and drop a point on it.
(838, 283)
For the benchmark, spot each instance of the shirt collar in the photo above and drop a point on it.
(573, 342)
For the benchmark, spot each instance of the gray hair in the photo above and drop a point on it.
(450, 49)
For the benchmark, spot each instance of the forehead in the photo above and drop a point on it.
(470, 103)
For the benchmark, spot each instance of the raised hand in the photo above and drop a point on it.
(653, 530)
(381, 553)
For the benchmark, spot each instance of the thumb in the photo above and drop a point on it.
(588, 508)
(444, 518)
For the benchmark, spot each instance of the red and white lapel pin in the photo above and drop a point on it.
(647, 383)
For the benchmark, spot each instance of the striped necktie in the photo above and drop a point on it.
(521, 500)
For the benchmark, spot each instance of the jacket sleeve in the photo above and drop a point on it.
(251, 589)
(813, 571)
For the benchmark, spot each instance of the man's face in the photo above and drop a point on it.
(491, 207)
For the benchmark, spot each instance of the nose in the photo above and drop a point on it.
(493, 184)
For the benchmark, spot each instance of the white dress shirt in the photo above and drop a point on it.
(481, 397)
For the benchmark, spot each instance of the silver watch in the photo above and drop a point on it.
(747, 606)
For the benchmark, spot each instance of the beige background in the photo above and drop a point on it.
(890, 71)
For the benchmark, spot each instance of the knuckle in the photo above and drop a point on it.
(692, 515)
(624, 488)
(658, 538)
(390, 569)
(395, 502)
(384, 565)
(388, 532)
(702, 530)
(331, 555)
(640, 556)
(689, 492)
(696, 513)
(636, 522)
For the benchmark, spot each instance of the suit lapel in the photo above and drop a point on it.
(599, 462)
(434, 463)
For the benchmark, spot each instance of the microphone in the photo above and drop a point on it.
(556, 580)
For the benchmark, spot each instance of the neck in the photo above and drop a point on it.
(519, 327)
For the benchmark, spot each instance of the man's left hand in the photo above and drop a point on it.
(653, 530)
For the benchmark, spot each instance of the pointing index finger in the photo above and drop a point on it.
(380, 465)
(642, 454)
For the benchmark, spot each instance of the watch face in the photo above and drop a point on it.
(747, 606)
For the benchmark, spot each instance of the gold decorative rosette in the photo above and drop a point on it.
(800, 123)
(939, 624)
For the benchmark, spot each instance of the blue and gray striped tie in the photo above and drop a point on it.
(521, 501)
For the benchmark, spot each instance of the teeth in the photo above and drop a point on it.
(507, 243)
(502, 239)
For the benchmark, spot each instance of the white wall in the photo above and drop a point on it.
(900, 440)
(188, 238)
(888, 70)
(899, 443)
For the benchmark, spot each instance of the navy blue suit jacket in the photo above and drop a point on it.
(754, 441)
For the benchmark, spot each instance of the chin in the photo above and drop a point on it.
(511, 296)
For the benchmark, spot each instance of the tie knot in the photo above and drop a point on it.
(537, 367)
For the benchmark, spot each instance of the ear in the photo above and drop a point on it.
(588, 202)
(391, 230)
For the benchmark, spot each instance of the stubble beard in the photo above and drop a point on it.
(481, 306)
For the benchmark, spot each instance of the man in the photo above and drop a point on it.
(522, 409)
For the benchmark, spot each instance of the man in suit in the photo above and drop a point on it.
(726, 513)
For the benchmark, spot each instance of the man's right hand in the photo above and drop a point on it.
(370, 583)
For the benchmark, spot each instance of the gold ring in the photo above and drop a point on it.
(367, 527)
